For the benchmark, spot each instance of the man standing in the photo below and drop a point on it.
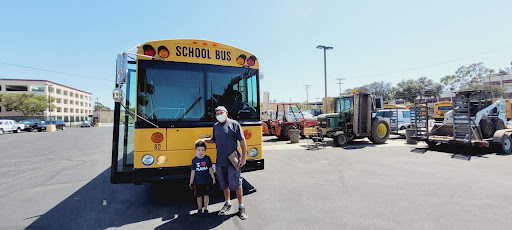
(226, 135)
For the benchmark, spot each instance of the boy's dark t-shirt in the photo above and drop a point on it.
(202, 167)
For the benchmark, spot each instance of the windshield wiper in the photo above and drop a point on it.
(189, 108)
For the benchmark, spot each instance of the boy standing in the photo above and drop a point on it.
(201, 177)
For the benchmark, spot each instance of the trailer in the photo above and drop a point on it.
(476, 120)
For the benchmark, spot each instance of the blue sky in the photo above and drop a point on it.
(372, 40)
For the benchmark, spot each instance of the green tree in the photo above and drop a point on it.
(422, 87)
(378, 88)
(99, 106)
(467, 76)
(27, 103)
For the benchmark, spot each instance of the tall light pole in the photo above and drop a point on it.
(325, 65)
(339, 82)
(307, 87)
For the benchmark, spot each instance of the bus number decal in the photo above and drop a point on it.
(157, 147)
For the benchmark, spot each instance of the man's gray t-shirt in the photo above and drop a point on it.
(226, 136)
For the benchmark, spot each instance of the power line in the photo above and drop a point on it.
(431, 65)
(53, 71)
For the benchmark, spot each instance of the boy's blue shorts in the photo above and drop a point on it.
(229, 177)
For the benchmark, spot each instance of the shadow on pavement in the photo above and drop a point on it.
(462, 152)
(101, 205)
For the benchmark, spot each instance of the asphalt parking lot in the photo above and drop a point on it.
(60, 180)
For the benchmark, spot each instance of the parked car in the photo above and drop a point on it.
(10, 126)
(31, 125)
(59, 124)
(87, 124)
(398, 119)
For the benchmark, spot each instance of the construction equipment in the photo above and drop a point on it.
(352, 119)
(284, 117)
(476, 120)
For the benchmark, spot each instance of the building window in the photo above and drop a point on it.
(65, 92)
(81, 96)
(76, 102)
(71, 110)
(71, 102)
(16, 88)
(37, 88)
(59, 100)
(59, 109)
(65, 101)
(65, 110)
(59, 91)
(70, 94)
(76, 95)
(81, 104)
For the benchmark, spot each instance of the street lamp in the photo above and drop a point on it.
(325, 65)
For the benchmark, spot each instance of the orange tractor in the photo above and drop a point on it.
(284, 117)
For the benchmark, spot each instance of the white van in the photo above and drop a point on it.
(398, 119)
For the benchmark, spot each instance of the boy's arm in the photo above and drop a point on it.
(212, 174)
(192, 175)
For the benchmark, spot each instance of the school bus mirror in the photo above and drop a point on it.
(122, 68)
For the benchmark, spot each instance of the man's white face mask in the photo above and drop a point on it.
(221, 118)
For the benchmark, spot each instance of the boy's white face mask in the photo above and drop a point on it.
(221, 118)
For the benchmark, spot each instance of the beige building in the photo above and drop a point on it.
(72, 105)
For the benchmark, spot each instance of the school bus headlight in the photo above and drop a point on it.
(148, 160)
(161, 160)
(163, 52)
(253, 153)
(241, 59)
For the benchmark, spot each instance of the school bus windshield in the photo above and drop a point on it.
(176, 91)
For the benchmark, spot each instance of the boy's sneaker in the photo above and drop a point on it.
(241, 212)
(224, 209)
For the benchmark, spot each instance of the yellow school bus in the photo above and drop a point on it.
(165, 99)
(391, 106)
(440, 108)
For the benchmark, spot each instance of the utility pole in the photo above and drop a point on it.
(307, 98)
(339, 83)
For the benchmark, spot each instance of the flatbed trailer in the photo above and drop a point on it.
(467, 134)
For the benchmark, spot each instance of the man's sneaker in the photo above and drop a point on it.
(224, 209)
(205, 212)
(241, 212)
(200, 212)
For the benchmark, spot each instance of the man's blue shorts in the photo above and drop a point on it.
(229, 177)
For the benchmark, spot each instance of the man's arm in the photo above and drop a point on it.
(243, 144)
